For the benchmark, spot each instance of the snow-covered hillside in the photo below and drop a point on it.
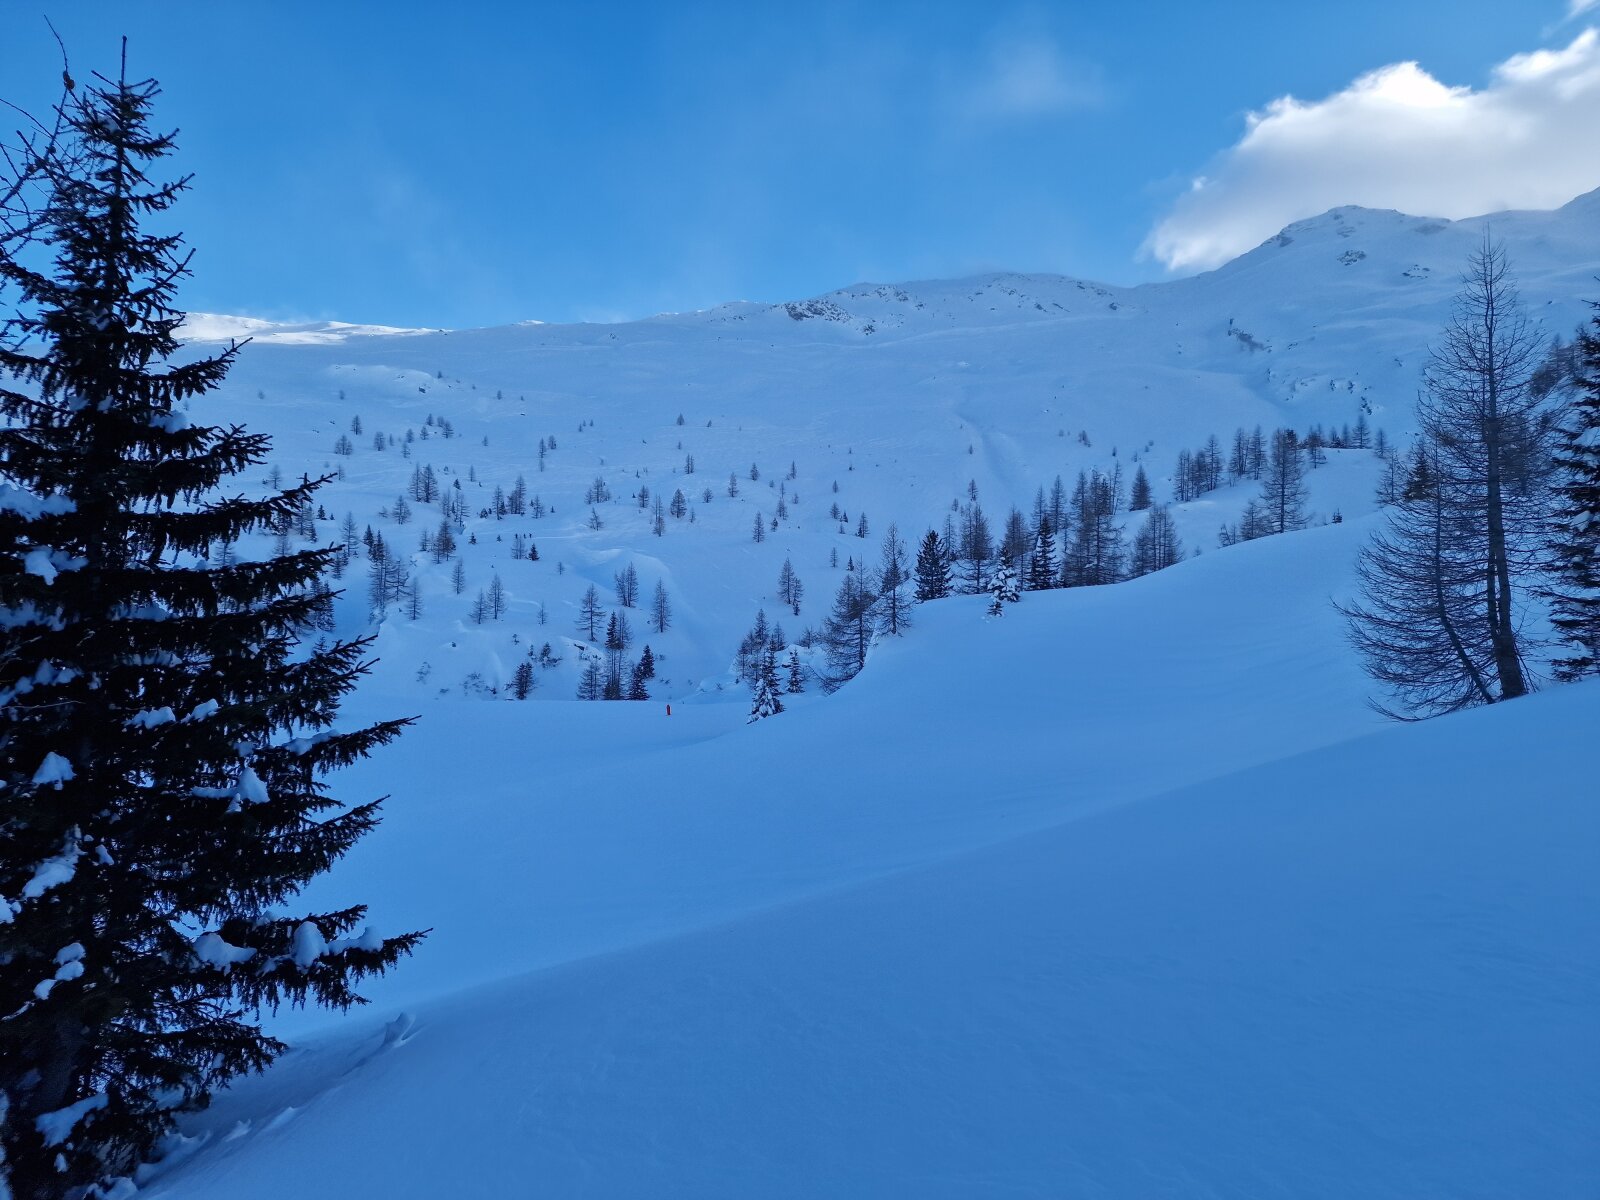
(887, 401)
(1126, 893)
(1123, 894)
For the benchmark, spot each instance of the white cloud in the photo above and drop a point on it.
(1029, 77)
(1576, 8)
(1399, 138)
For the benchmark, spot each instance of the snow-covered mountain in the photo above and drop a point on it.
(1124, 894)
(886, 400)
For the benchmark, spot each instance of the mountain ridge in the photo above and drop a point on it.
(207, 326)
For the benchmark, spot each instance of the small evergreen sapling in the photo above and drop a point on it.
(1003, 589)
(766, 702)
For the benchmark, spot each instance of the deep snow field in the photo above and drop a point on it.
(1123, 894)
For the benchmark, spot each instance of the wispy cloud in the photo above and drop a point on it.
(1576, 8)
(1030, 77)
(1399, 138)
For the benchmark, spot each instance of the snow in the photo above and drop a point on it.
(69, 965)
(307, 945)
(1128, 894)
(990, 379)
(54, 770)
(150, 718)
(1212, 929)
(37, 562)
(54, 871)
(56, 1127)
(250, 789)
(30, 505)
(370, 939)
(211, 949)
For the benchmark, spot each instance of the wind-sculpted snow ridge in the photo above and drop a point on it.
(1122, 894)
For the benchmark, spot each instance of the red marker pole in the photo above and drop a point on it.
(669, 710)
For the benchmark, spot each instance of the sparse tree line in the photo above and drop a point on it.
(433, 426)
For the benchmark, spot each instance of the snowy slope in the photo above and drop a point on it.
(1124, 894)
(901, 396)
(1121, 895)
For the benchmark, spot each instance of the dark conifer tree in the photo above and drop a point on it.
(767, 701)
(166, 731)
(1575, 538)
(522, 680)
(1139, 497)
(933, 568)
(797, 683)
(615, 645)
(636, 686)
(1042, 562)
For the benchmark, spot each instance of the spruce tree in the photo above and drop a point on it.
(1042, 563)
(767, 700)
(522, 680)
(933, 568)
(1003, 588)
(166, 727)
(1139, 497)
(797, 682)
(1575, 536)
(614, 648)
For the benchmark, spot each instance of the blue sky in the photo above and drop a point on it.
(419, 164)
